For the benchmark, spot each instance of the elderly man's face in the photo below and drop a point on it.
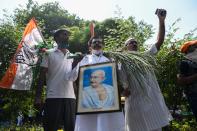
(132, 46)
(96, 79)
(97, 44)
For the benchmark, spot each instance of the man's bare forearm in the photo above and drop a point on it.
(161, 34)
(185, 80)
(161, 13)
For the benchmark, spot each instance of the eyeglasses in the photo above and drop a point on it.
(95, 41)
(132, 43)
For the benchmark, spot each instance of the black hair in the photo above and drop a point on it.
(58, 32)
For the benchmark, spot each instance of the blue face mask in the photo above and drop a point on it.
(63, 45)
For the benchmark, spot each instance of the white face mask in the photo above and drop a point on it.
(97, 52)
(192, 56)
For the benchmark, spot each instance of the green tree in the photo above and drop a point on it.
(124, 29)
(49, 15)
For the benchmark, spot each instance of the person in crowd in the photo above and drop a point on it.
(104, 121)
(145, 112)
(60, 103)
(188, 73)
(20, 119)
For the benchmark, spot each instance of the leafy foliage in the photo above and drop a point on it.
(8, 44)
(184, 125)
(50, 16)
(124, 29)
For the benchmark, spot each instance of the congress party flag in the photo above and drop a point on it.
(19, 74)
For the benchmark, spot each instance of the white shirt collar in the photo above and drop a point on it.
(67, 51)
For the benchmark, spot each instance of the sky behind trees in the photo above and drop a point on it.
(140, 9)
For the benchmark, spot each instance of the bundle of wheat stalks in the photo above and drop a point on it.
(136, 67)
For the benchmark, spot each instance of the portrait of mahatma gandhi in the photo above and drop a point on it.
(98, 91)
(98, 94)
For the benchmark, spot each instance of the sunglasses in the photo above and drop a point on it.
(132, 43)
(96, 41)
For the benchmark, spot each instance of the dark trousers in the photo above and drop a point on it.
(192, 100)
(59, 111)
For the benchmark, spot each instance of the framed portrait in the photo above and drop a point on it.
(98, 91)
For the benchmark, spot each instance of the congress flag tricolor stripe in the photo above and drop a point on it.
(19, 74)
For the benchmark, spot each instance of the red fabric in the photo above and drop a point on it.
(187, 44)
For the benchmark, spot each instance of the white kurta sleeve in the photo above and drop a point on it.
(73, 75)
(153, 50)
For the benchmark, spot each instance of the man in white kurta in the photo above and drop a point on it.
(103, 121)
(146, 113)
